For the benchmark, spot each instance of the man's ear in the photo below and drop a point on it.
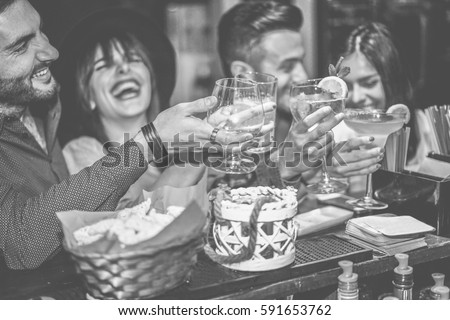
(239, 66)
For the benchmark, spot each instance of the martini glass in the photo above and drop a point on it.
(379, 125)
(306, 98)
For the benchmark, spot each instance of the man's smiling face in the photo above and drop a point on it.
(281, 54)
(25, 57)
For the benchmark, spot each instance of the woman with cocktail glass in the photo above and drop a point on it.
(316, 95)
(378, 84)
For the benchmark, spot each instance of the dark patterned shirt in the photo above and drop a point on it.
(34, 185)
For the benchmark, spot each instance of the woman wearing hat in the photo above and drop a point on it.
(117, 72)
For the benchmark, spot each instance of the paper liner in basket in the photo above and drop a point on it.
(188, 226)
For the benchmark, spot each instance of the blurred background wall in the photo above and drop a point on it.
(421, 30)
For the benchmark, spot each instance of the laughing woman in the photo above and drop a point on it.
(117, 72)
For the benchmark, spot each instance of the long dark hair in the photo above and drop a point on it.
(107, 28)
(85, 67)
(375, 41)
(77, 117)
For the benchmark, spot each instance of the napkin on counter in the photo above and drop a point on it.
(387, 228)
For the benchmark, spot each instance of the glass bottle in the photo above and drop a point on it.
(403, 278)
(348, 282)
(425, 293)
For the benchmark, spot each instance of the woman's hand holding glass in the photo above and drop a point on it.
(355, 157)
(307, 98)
(380, 125)
(308, 141)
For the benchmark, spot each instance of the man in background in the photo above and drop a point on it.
(264, 36)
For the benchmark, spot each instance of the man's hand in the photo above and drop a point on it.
(304, 146)
(349, 160)
(179, 123)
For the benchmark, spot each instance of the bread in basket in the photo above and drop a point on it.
(112, 269)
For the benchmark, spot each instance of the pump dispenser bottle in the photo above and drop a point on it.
(348, 282)
(425, 293)
(403, 278)
(439, 291)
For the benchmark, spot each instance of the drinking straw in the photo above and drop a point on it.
(431, 115)
(405, 142)
(433, 139)
(394, 151)
(439, 129)
(445, 128)
(446, 120)
(389, 158)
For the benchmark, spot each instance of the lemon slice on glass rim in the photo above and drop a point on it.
(334, 85)
(402, 109)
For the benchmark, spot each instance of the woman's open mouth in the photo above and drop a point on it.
(126, 89)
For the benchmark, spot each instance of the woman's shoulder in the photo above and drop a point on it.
(84, 144)
(82, 152)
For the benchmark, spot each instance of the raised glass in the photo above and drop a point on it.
(379, 125)
(238, 110)
(305, 99)
(267, 85)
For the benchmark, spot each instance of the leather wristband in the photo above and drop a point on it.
(154, 142)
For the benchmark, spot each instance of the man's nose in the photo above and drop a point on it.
(299, 74)
(46, 52)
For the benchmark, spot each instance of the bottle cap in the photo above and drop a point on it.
(387, 296)
(441, 292)
(438, 279)
(403, 267)
(347, 274)
(390, 298)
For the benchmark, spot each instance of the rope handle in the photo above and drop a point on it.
(246, 252)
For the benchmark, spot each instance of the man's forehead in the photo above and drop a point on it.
(19, 19)
(282, 45)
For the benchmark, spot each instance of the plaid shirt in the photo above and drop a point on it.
(34, 185)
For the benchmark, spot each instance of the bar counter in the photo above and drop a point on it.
(306, 279)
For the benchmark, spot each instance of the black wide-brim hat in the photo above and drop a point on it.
(162, 54)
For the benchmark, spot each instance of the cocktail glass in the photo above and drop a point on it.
(267, 85)
(305, 99)
(239, 110)
(379, 125)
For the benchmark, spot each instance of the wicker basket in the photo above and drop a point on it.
(136, 275)
(146, 269)
(275, 240)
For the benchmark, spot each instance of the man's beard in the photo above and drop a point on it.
(20, 93)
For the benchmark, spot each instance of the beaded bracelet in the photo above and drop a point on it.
(154, 142)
